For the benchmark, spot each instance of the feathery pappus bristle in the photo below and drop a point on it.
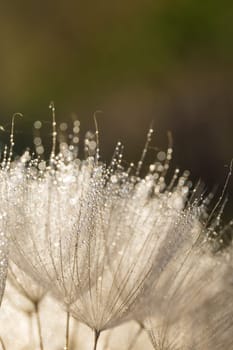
(111, 245)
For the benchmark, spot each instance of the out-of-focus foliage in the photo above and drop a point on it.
(49, 48)
(138, 61)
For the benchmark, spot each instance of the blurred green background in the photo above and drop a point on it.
(137, 61)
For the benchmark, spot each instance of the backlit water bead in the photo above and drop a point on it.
(63, 126)
(37, 124)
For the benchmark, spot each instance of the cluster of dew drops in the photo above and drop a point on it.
(68, 142)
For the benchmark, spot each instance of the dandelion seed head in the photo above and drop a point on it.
(90, 232)
(109, 243)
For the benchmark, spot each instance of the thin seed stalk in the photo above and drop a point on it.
(2, 344)
(96, 338)
(39, 326)
(67, 330)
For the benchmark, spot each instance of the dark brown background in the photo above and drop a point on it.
(137, 61)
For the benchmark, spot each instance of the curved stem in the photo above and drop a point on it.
(39, 326)
(96, 338)
(2, 344)
(67, 330)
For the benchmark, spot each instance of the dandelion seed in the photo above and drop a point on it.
(187, 298)
(109, 244)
